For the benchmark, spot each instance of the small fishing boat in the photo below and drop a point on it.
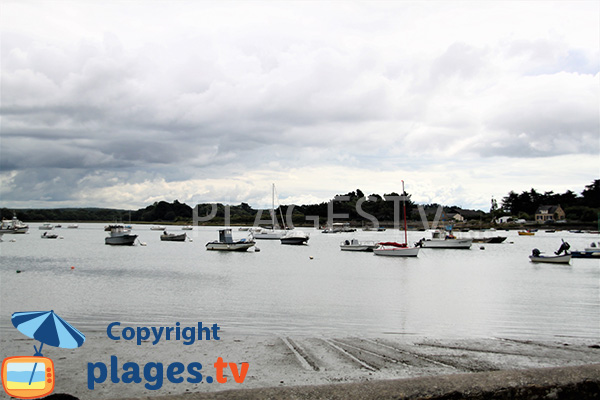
(356, 245)
(585, 254)
(557, 258)
(120, 236)
(338, 227)
(589, 252)
(526, 233)
(226, 242)
(73, 226)
(157, 228)
(440, 240)
(374, 229)
(46, 227)
(295, 237)
(187, 228)
(492, 239)
(540, 258)
(396, 249)
(173, 237)
(47, 235)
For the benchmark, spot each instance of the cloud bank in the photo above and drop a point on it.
(120, 104)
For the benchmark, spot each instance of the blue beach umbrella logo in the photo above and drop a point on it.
(48, 328)
(33, 377)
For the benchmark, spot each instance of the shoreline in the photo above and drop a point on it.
(289, 363)
(581, 383)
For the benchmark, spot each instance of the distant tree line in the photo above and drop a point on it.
(583, 208)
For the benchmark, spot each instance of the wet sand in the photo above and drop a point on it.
(284, 361)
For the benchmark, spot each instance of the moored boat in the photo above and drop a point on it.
(526, 233)
(356, 245)
(120, 236)
(562, 259)
(157, 228)
(557, 258)
(269, 234)
(593, 251)
(396, 250)
(13, 226)
(295, 237)
(339, 227)
(226, 242)
(440, 240)
(173, 237)
(47, 235)
(187, 228)
(73, 226)
(274, 233)
(492, 239)
(46, 226)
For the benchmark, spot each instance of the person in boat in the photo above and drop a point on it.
(45, 233)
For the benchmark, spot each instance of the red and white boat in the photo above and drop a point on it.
(398, 249)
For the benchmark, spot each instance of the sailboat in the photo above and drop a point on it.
(398, 249)
(274, 233)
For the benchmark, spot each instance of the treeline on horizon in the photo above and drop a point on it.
(578, 208)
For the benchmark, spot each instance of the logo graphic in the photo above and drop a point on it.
(33, 377)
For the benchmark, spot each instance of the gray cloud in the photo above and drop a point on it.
(266, 90)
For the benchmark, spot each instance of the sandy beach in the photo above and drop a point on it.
(284, 361)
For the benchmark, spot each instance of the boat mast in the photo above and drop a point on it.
(404, 207)
(273, 207)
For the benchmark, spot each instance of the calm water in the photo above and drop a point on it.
(442, 293)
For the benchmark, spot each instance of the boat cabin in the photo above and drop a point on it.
(225, 236)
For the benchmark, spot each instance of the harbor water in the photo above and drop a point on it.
(491, 290)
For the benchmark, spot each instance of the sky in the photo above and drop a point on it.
(120, 104)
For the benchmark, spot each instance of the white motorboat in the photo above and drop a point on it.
(46, 227)
(73, 226)
(396, 250)
(226, 242)
(557, 258)
(540, 258)
(338, 227)
(187, 228)
(157, 228)
(440, 240)
(356, 245)
(295, 237)
(13, 226)
(120, 236)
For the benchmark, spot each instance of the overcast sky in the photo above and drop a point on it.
(123, 103)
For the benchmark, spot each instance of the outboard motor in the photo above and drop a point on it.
(563, 247)
(536, 253)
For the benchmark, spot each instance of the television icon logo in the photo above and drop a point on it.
(28, 377)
